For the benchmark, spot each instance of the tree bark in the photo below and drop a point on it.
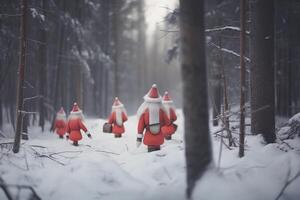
(141, 58)
(115, 50)
(198, 145)
(225, 97)
(58, 70)
(216, 100)
(1, 114)
(21, 70)
(262, 71)
(242, 77)
(42, 70)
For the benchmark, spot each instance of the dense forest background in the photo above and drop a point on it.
(94, 50)
(88, 52)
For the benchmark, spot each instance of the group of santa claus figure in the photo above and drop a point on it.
(156, 118)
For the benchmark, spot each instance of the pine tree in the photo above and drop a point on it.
(198, 146)
(262, 71)
(21, 70)
(242, 77)
(42, 70)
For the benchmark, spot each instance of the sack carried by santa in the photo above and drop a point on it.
(107, 128)
(169, 129)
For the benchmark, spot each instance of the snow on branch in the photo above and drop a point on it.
(225, 28)
(26, 112)
(84, 64)
(170, 31)
(229, 51)
(31, 98)
(36, 14)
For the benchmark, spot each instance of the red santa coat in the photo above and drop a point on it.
(73, 128)
(117, 128)
(150, 138)
(170, 129)
(60, 126)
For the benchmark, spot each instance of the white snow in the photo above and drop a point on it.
(105, 167)
(295, 118)
(35, 14)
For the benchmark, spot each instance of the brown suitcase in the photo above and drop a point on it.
(107, 128)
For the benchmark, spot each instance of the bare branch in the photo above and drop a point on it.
(288, 182)
(25, 112)
(224, 28)
(10, 15)
(107, 152)
(229, 51)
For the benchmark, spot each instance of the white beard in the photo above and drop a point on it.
(167, 108)
(154, 109)
(61, 117)
(154, 113)
(119, 118)
(78, 115)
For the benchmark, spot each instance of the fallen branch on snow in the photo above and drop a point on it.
(107, 152)
(38, 154)
(288, 182)
(4, 186)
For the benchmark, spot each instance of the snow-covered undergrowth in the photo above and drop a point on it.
(105, 167)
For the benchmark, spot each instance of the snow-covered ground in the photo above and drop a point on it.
(105, 167)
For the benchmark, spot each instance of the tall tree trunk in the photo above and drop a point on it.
(25, 120)
(242, 76)
(216, 93)
(262, 71)
(78, 84)
(225, 97)
(107, 8)
(198, 145)
(216, 98)
(42, 70)
(141, 79)
(105, 85)
(21, 70)
(1, 113)
(115, 37)
(58, 70)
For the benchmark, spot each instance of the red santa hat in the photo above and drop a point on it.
(61, 112)
(167, 98)
(117, 103)
(153, 95)
(75, 109)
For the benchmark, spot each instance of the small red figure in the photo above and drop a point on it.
(169, 130)
(75, 124)
(60, 123)
(117, 118)
(152, 118)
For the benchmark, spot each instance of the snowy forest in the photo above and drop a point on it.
(150, 99)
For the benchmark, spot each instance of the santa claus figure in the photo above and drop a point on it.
(152, 118)
(117, 118)
(60, 123)
(169, 130)
(75, 124)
